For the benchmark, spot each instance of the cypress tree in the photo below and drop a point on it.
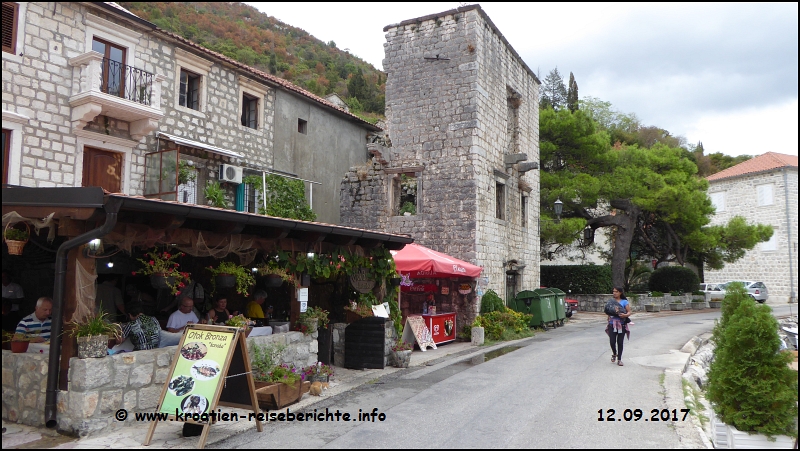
(749, 381)
(572, 94)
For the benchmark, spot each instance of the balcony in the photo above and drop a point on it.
(116, 90)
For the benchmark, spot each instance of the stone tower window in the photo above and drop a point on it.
(405, 193)
(500, 192)
(513, 102)
(523, 209)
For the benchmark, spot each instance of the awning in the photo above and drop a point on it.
(418, 261)
(199, 145)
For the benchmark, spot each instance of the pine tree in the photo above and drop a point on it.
(572, 94)
(554, 93)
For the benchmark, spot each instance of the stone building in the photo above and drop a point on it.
(462, 112)
(95, 96)
(762, 190)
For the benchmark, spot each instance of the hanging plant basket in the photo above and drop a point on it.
(272, 281)
(162, 282)
(15, 246)
(225, 280)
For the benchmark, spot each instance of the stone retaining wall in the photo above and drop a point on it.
(596, 302)
(99, 387)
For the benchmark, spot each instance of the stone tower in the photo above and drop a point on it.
(457, 169)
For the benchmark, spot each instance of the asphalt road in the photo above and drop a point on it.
(545, 394)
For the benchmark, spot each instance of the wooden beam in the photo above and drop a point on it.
(79, 213)
(69, 345)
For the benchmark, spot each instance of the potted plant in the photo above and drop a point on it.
(240, 322)
(676, 306)
(312, 319)
(274, 274)
(215, 195)
(357, 310)
(186, 172)
(285, 386)
(477, 333)
(318, 372)
(263, 360)
(163, 270)
(93, 333)
(16, 238)
(17, 341)
(652, 307)
(401, 353)
(229, 275)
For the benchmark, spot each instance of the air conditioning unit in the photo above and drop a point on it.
(230, 173)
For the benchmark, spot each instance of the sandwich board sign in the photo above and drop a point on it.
(415, 329)
(211, 368)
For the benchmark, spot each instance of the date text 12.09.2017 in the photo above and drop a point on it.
(637, 414)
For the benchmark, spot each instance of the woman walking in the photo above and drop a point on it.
(618, 326)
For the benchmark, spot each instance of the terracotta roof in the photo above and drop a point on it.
(761, 163)
(269, 78)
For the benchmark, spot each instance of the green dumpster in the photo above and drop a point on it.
(561, 304)
(539, 305)
(550, 297)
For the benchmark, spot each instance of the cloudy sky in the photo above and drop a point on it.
(723, 74)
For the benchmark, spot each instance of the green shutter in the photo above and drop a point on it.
(240, 193)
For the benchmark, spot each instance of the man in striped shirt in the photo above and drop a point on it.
(38, 322)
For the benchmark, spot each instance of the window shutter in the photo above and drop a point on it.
(240, 194)
(10, 27)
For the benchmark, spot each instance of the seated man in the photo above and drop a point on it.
(253, 310)
(144, 330)
(183, 316)
(38, 322)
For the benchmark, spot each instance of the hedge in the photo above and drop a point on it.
(674, 278)
(578, 279)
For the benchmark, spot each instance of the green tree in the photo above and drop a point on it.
(749, 382)
(553, 93)
(572, 94)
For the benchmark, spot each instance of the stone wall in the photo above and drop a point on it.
(459, 100)
(759, 264)
(596, 302)
(99, 387)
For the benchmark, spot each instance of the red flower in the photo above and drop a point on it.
(152, 263)
(166, 255)
(181, 285)
(133, 273)
(176, 265)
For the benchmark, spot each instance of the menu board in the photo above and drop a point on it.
(197, 372)
(415, 329)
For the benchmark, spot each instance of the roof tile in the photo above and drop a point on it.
(761, 163)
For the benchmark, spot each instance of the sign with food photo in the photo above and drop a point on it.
(197, 372)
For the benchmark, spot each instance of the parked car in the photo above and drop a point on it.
(714, 291)
(758, 291)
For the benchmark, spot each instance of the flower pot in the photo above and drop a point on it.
(395, 281)
(272, 281)
(401, 358)
(15, 246)
(162, 282)
(477, 336)
(698, 305)
(351, 317)
(714, 304)
(276, 396)
(225, 281)
(652, 308)
(93, 346)
(676, 307)
(19, 347)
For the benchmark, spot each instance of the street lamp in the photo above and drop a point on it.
(558, 207)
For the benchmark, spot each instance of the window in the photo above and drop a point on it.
(189, 94)
(764, 193)
(10, 18)
(405, 194)
(718, 201)
(249, 111)
(252, 199)
(500, 191)
(523, 209)
(772, 244)
(6, 151)
(161, 174)
(114, 68)
(302, 126)
(102, 168)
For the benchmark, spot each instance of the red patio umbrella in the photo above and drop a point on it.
(419, 261)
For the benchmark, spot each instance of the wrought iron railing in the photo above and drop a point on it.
(124, 81)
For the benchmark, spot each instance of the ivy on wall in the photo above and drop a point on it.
(285, 198)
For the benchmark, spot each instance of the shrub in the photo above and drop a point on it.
(578, 279)
(749, 381)
(491, 302)
(674, 278)
(657, 294)
(496, 323)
